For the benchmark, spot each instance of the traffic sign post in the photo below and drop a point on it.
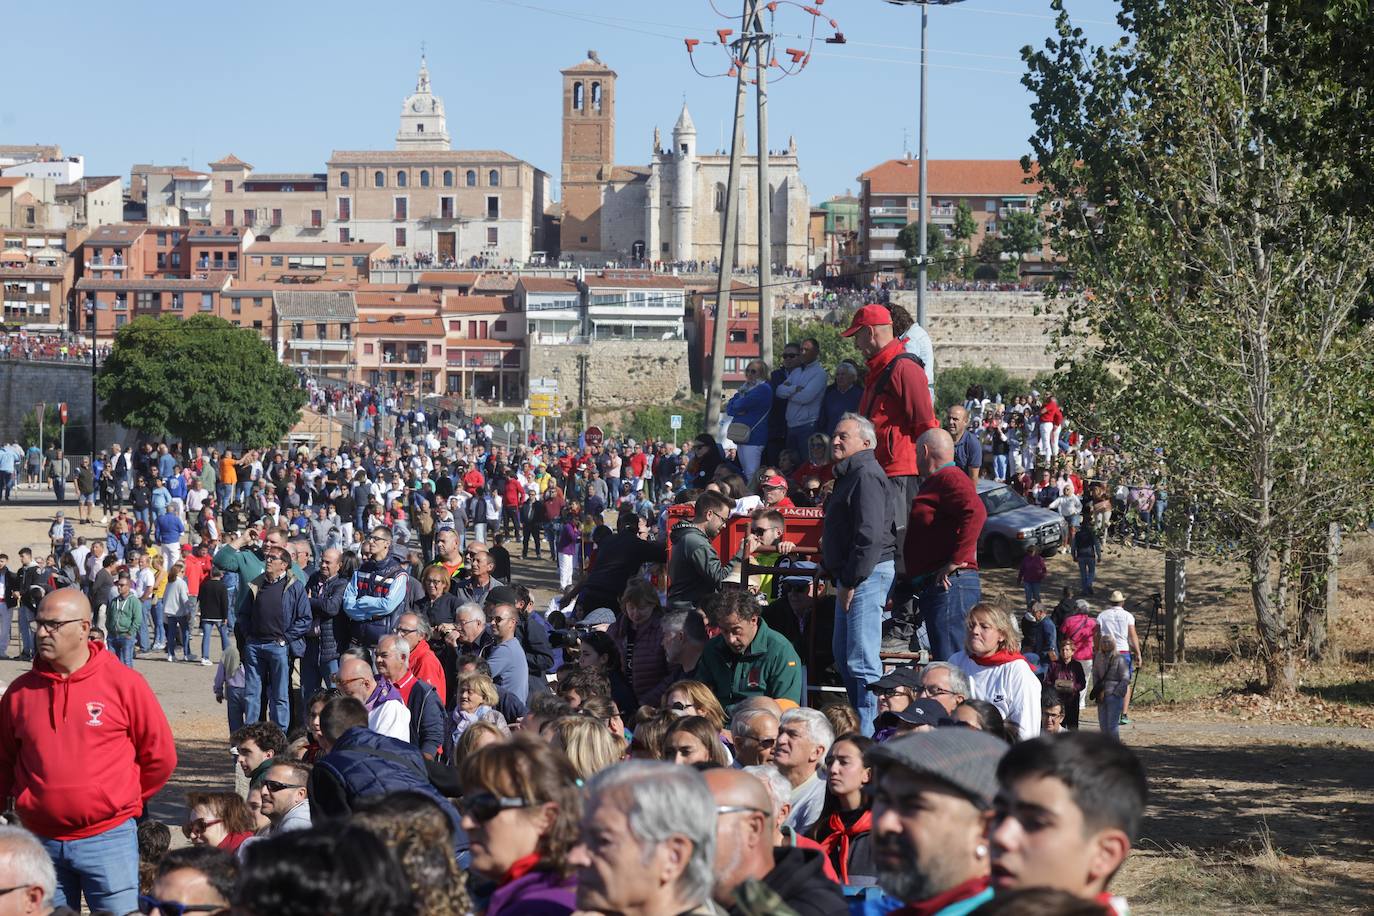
(593, 436)
(42, 411)
(62, 419)
(675, 421)
(510, 428)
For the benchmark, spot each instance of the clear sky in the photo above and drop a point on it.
(282, 84)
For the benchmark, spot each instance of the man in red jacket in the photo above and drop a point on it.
(896, 399)
(83, 745)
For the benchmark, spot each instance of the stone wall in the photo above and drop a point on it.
(987, 329)
(620, 373)
(24, 383)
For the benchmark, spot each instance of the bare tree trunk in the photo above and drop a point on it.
(1318, 597)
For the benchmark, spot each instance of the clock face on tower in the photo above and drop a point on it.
(417, 106)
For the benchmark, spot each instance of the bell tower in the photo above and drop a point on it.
(588, 150)
(422, 116)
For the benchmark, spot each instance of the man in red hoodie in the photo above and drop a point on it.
(896, 399)
(83, 745)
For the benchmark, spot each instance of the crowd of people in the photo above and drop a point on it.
(709, 716)
(22, 344)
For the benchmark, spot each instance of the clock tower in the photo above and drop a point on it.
(422, 117)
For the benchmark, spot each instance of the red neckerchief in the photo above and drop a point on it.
(1000, 657)
(840, 836)
(520, 868)
(970, 888)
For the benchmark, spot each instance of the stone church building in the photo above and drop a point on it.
(673, 208)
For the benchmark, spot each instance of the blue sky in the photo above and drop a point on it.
(282, 84)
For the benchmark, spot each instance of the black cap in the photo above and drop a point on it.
(920, 712)
(898, 677)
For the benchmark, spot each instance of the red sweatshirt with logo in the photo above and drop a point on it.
(82, 754)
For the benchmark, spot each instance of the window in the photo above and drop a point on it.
(455, 326)
(228, 186)
(596, 96)
(492, 236)
(321, 331)
(379, 179)
(236, 304)
(258, 302)
(446, 208)
(207, 302)
(401, 207)
(121, 301)
(162, 240)
(228, 217)
(470, 178)
(577, 97)
(336, 262)
(499, 326)
(176, 259)
(343, 179)
(248, 217)
(400, 238)
(359, 260)
(144, 301)
(161, 261)
(343, 235)
(316, 219)
(257, 325)
(277, 260)
(297, 330)
(367, 349)
(345, 331)
(345, 208)
(437, 349)
(424, 178)
(448, 178)
(720, 198)
(256, 260)
(494, 179)
(990, 206)
(493, 207)
(401, 179)
(419, 128)
(276, 217)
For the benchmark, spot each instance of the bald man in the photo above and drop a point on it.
(942, 544)
(386, 712)
(80, 712)
(749, 866)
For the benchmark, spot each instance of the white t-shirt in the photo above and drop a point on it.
(392, 719)
(1013, 688)
(1117, 622)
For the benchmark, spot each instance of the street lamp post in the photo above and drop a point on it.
(923, 212)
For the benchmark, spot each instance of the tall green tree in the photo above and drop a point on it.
(1212, 276)
(200, 380)
(834, 346)
(965, 226)
(1021, 234)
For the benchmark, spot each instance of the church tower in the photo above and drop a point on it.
(588, 150)
(684, 184)
(422, 117)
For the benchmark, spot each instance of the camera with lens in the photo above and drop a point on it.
(567, 638)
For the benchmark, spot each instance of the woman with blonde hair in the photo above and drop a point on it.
(996, 669)
(420, 835)
(693, 698)
(588, 744)
(176, 612)
(477, 736)
(476, 702)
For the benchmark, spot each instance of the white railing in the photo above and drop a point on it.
(886, 254)
(887, 211)
(885, 232)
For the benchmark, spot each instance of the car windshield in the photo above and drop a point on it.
(1002, 499)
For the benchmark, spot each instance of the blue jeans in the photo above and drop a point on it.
(272, 660)
(235, 706)
(1032, 590)
(123, 648)
(1109, 715)
(179, 634)
(205, 627)
(25, 634)
(1087, 570)
(104, 867)
(943, 611)
(999, 467)
(796, 439)
(857, 639)
(6, 622)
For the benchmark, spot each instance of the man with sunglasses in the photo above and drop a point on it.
(193, 879)
(285, 798)
(273, 628)
(694, 568)
(76, 714)
(378, 592)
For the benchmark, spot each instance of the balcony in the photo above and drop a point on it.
(884, 232)
(886, 255)
(203, 264)
(306, 345)
(943, 212)
(102, 264)
(887, 211)
(1004, 212)
(408, 358)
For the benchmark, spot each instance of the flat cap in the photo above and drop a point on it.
(965, 758)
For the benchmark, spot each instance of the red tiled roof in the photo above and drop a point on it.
(229, 161)
(950, 177)
(408, 327)
(548, 285)
(215, 281)
(446, 278)
(12, 182)
(369, 297)
(474, 305)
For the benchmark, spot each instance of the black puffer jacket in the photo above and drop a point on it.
(798, 879)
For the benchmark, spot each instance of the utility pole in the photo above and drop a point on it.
(924, 208)
(727, 246)
(762, 56)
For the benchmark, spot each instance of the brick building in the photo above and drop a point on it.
(306, 261)
(741, 333)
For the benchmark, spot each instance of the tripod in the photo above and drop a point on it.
(1154, 637)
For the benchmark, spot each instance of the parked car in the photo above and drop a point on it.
(1014, 524)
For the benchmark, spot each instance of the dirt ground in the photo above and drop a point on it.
(1255, 807)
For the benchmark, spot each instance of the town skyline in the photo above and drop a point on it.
(972, 58)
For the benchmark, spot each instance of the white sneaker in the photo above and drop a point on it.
(171, 657)
(206, 662)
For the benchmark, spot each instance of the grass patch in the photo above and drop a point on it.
(1353, 693)
(1183, 683)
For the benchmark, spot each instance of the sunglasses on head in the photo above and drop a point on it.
(484, 806)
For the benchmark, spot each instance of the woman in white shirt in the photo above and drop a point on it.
(996, 669)
(176, 609)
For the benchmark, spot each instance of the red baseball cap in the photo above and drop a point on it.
(773, 481)
(867, 317)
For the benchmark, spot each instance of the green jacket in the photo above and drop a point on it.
(768, 668)
(124, 615)
(246, 564)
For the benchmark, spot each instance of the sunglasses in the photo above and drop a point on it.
(680, 706)
(484, 806)
(760, 532)
(764, 743)
(274, 786)
(199, 825)
(148, 904)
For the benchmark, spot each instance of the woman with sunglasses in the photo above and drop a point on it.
(219, 819)
(521, 808)
(846, 820)
(750, 407)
